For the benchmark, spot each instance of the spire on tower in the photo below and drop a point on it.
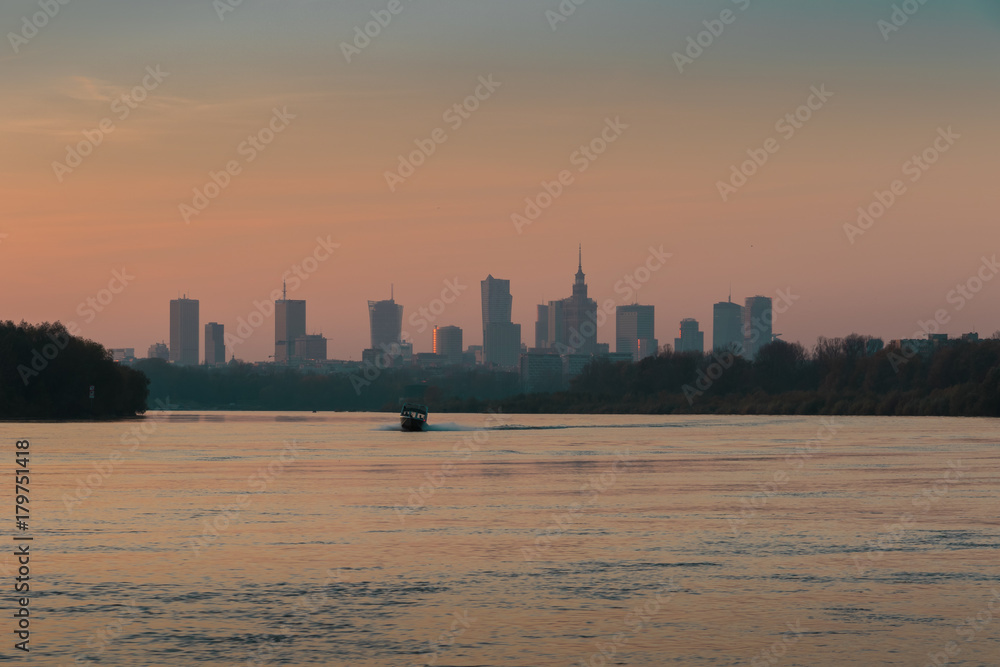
(284, 290)
(581, 257)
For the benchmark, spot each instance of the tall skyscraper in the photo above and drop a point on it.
(289, 325)
(635, 331)
(727, 327)
(215, 344)
(542, 328)
(501, 337)
(691, 339)
(572, 321)
(184, 332)
(448, 344)
(386, 321)
(758, 318)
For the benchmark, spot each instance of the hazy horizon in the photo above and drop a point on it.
(210, 82)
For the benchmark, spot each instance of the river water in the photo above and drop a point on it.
(266, 538)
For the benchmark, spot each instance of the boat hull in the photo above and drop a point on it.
(411, 424)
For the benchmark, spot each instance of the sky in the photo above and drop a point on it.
(310, 118)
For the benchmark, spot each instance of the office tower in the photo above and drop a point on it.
(215, 344)
(573, 320)
(158, 351)
(758, 318)
(289, 325)
(727, 327)
(184, 332)
(501, 337)
(310, 347)
(691, 339)
(635, 331)
(386, 321)
(502, 345)
(448, 344)
(542, 328)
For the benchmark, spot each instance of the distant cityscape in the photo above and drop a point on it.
(565, 337)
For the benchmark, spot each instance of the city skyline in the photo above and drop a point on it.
(656, 184)
(313, 347)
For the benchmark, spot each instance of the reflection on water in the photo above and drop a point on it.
(259, 538)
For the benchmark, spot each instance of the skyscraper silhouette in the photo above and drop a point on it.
(691, 339)
(184, 332)
(501, 337)
(727, 327)
(573, 320)
(635, 331)
(289, 325)
(758, 317)
(386, 321)
(215, 344)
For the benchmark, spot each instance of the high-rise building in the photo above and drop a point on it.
(572, 322)
(310, 347)
(386, 320)
(501, 337)
(542, 328)
(184, 332)
(215, 344)
(289, 325)
(727, 327)
(448, 344)
(158, 351)
(758, 318)
(635, 331)
(691, 339)
(502, 345)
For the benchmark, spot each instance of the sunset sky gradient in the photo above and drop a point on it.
(324, 175)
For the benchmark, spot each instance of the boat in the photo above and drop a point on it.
(413, 417)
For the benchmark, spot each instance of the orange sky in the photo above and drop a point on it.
(324, 174)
